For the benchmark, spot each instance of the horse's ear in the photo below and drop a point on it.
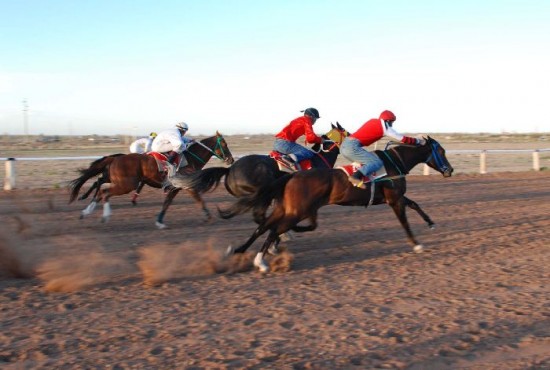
(339, 127)
(332, 125)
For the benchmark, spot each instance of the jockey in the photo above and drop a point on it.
(285, 141)
(370, 132)
(173, 143)
(143, 145)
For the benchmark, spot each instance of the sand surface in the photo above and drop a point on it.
(349, 295)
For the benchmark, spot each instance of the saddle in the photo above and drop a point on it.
(162, 161)
(287, 165)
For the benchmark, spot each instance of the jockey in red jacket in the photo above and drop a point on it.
(371, 131)
(285, 141)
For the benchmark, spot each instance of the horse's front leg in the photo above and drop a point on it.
(413, 205)
(398, 207)
(167, 201)
(136, 193)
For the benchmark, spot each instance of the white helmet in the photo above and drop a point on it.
(182, 126)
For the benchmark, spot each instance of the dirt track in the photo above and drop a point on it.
(354, 297)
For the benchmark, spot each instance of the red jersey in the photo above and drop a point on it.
(298, 127)
(374, 129)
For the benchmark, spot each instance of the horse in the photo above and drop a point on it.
(126, 172)
(299, 196)
(252, 172)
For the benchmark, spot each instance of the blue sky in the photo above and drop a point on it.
(131, 67)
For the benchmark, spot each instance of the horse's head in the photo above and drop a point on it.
(336, 134)
(222, 149)
(437, 158)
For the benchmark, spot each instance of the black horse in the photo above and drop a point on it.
(299, 196)
(252, 172)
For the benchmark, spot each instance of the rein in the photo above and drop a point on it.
(213, 152)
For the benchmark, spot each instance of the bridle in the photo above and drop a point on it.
(437, 158)
(341, 136)
(218, 147)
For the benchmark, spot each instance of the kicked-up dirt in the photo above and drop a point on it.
(78, 293)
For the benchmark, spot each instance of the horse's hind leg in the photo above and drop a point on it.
(89, 209)
(399, 210)
(413, 205)
(106, 205)
(311, 227)
(286, 236)
(259, 261)
(95, 199)
(95, 186)
(255, 235)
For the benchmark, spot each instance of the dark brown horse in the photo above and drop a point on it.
(125, 173)
(299, 196)
(250, 173)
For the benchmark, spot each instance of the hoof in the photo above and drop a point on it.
(273, 250)
(81, 216)
(431, 226)
(287, 237)
(104, 220)
(260, 263)
(418, 248)
(229, 251)
(160, 226)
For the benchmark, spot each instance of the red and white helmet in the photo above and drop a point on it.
(387, 116)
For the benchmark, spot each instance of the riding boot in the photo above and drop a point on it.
(172, 157)
(357, 179)
(292, 161)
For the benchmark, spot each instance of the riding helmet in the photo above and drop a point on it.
(182, 126)
(387, 116)
(311, 112)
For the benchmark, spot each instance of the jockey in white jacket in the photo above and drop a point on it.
(143, 145)
(173, 140)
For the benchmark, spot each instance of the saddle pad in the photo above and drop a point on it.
(350, 169)
(305, 164)
(161, 160)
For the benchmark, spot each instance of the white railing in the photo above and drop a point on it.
(483, 156)
(10, 178)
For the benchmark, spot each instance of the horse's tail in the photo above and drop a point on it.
(96, 168)
(208, 179)
(260, 200)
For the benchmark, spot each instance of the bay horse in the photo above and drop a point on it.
(299, 196)
(252, 172)
(126, 172)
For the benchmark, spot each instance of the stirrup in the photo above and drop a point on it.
(356, 182)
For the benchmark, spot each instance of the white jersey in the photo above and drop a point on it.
(142, 145)
(170, 140)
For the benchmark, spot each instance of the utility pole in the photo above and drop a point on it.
(25, 117)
